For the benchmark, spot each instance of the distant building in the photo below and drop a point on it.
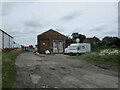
(108, 39)
(52, 41)
(6, 40)
(16, 45)
(92, 40)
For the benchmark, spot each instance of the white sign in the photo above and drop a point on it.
(77, 40)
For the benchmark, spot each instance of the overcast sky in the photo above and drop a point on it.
(24, 21)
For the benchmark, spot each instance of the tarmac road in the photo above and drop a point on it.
(58, 71)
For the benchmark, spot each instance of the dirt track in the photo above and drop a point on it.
(58, 71)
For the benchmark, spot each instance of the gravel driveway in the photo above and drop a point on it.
(58, 71)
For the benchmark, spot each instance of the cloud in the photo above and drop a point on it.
(72, 15)
(98, 28)
(7, 7)
(25, 35)
(101, 30)
(112, 32)
(77, 30)
(28, 40)
(32, 24)
(23, 31)
(61, 30)
(25, 21)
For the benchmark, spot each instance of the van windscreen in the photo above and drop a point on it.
(73, 47)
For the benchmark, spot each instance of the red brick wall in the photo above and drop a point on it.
(42, 47)
(48, 38)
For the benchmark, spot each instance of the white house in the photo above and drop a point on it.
(6, 40)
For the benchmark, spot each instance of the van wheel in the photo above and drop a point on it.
(77, 54)
(80, 53)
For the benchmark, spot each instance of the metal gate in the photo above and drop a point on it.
(58, 46)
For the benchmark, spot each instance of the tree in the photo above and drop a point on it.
(75, 35)
(80, 36)
(68, 41)
(114, 43)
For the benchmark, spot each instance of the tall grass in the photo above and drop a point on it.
(97, 58)
(8, 67)
(106, 59)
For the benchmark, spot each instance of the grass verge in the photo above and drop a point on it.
(8, 67)
(94, 57)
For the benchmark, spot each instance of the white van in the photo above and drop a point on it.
(79, 48)
(66, 51)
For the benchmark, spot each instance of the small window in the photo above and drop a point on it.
(83, 47)
(43, 44)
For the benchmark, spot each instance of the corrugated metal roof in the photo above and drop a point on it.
(6, 33)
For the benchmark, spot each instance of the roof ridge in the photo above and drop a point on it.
(6, 33)
(51, 30)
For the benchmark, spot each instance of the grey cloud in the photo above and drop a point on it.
(32, 24)
(107, 33)
(24, 32)
(26, 40)
(72, 15)
(112, 32)
(60, 29)
(99, 28)
(77, 30)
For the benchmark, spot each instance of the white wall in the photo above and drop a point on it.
(11, 42)
(6, 41)
(1, 39)
(16, 45)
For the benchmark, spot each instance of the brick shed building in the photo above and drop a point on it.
(52, 41)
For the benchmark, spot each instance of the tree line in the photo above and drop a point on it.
(113, 42)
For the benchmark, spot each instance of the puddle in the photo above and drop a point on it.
(41, 60)
(101, 67)
(36, 67)
(52, 67)
(78, 66)
(63, 67)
